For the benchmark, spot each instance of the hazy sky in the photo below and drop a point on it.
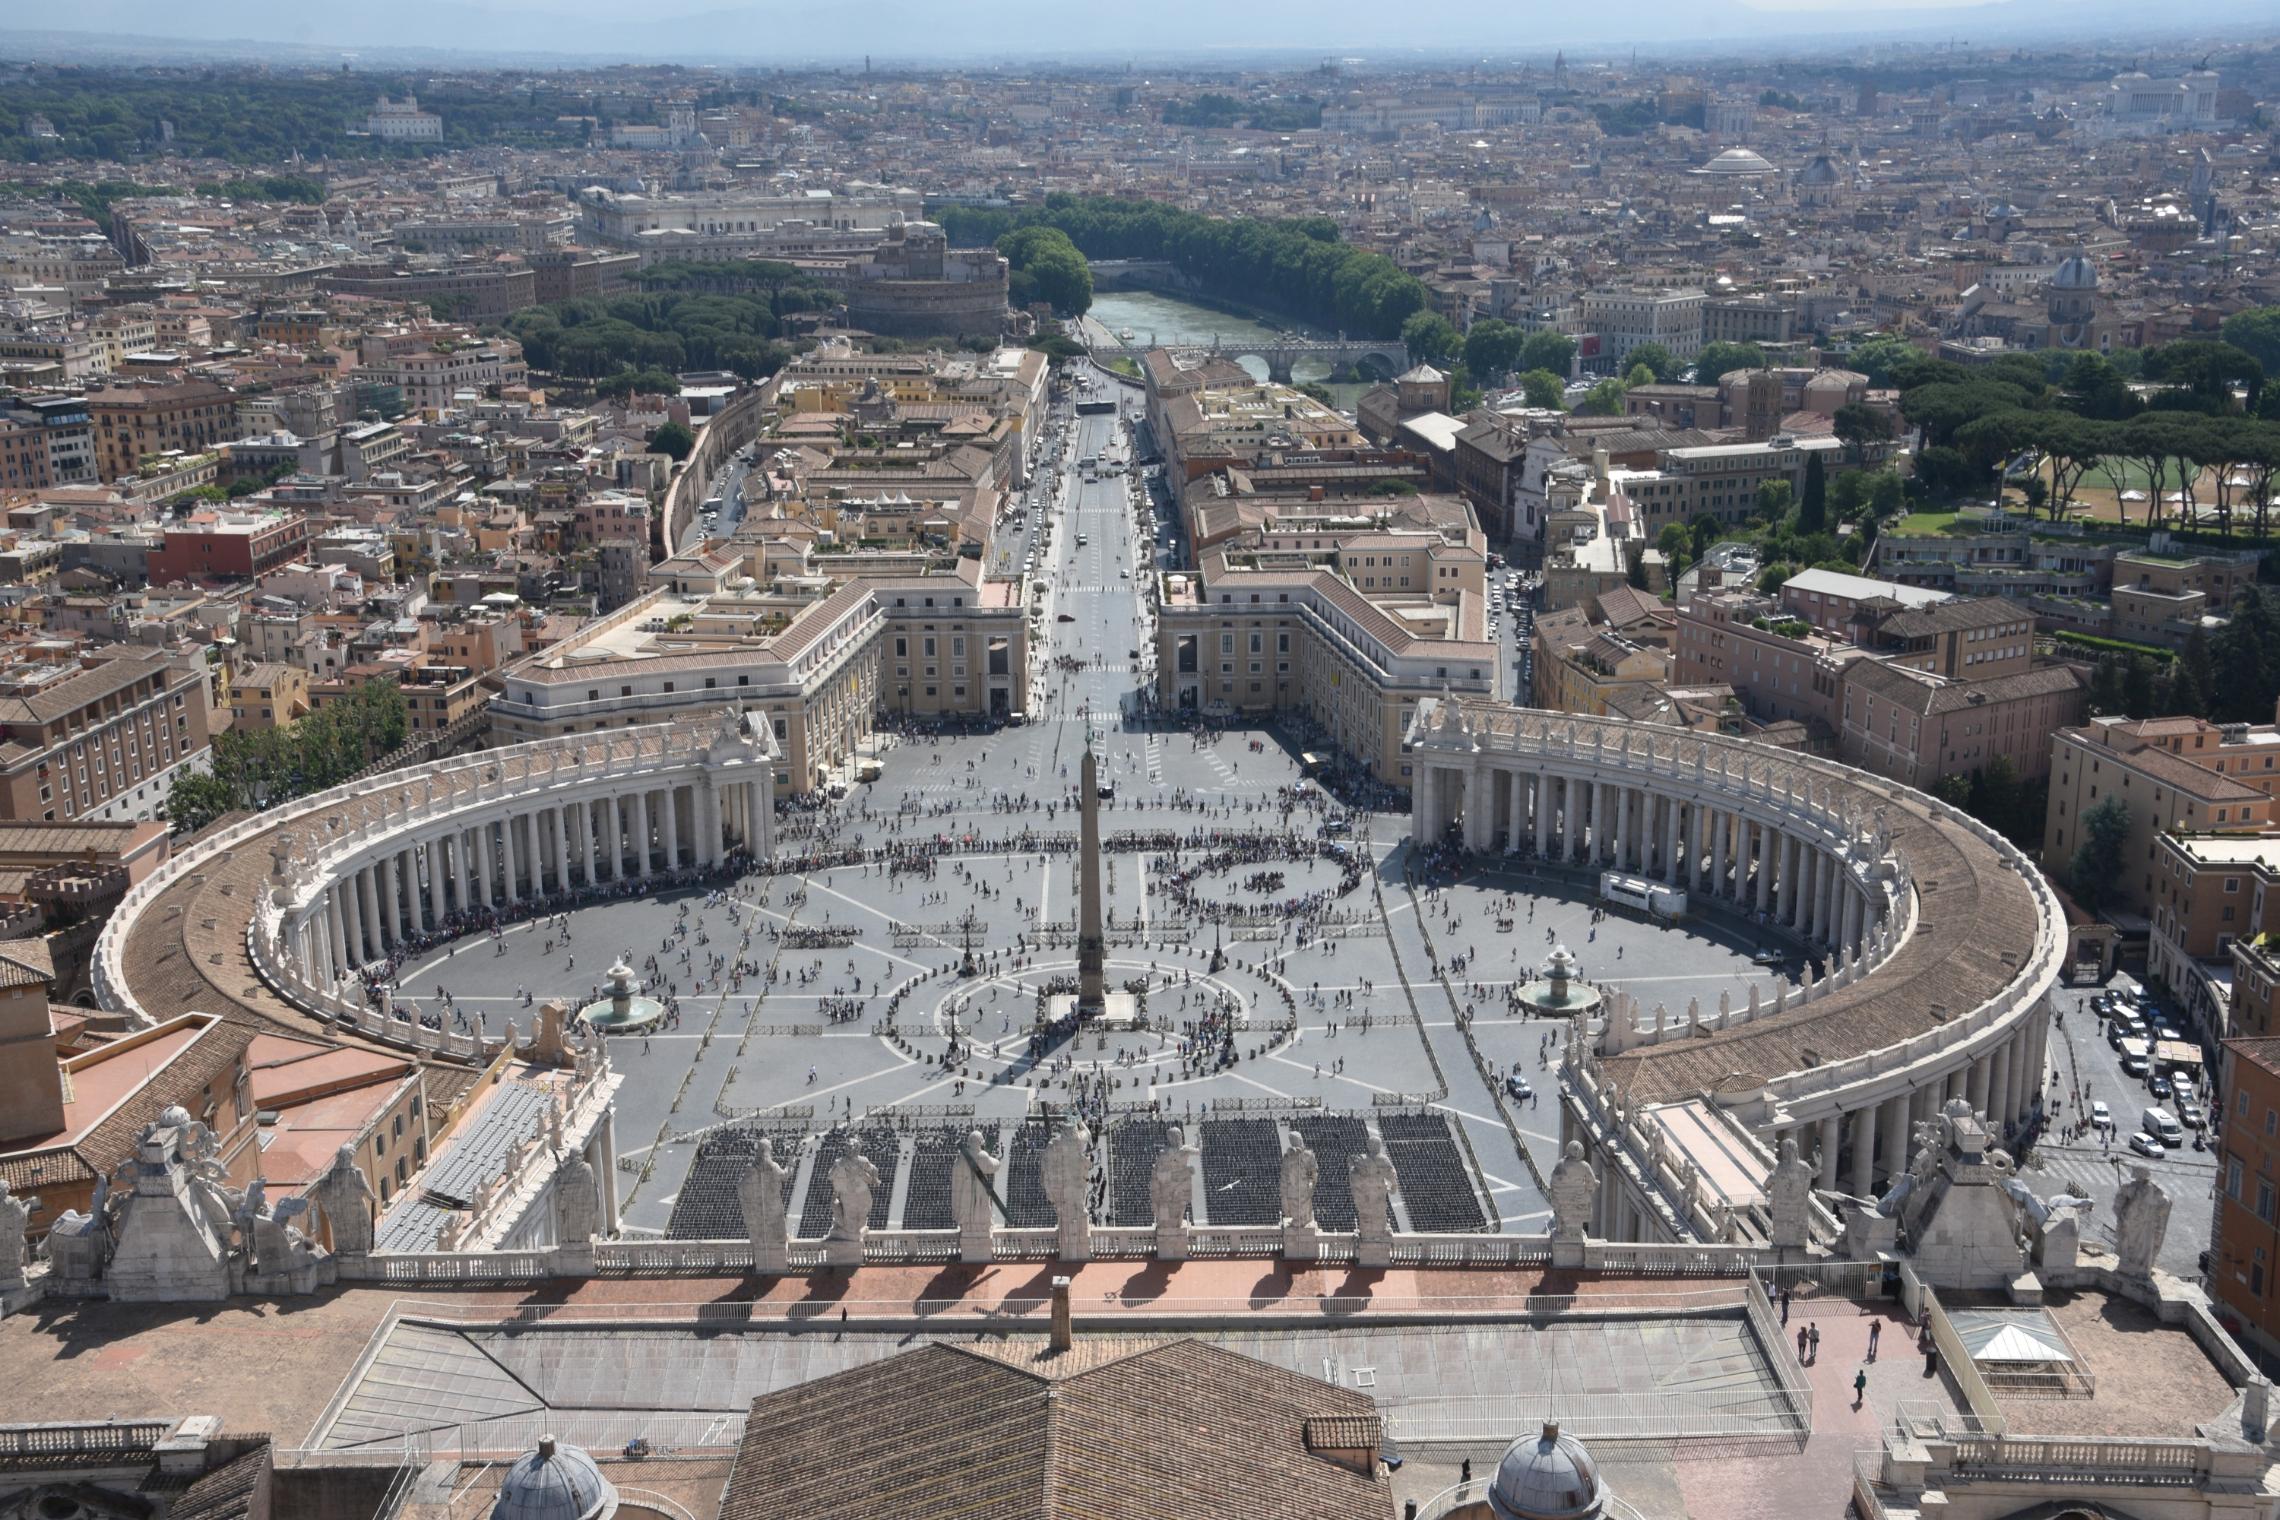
(743, 31)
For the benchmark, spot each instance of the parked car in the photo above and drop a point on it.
(2145, 1145)
(2158, 1085)
(2100, 1114)
(1518, 1087)
(2190, 1115)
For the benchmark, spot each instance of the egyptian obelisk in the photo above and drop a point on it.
(1092, 985)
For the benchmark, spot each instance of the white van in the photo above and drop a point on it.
(2163, 1126)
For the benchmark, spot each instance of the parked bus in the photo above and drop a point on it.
(1640, 895)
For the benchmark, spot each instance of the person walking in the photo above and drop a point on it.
(1860, 1387)
(1875, 1332)
(1813, 1343)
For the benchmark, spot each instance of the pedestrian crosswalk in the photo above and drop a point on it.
(2093, 1172)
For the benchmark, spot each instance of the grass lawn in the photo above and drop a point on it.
(1925, 525)
(1124, 364)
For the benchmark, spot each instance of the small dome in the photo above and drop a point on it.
(1737, 161)
(2076, 273)
(555, 1482)
(1549, 1478)
(1819, 172)
(174, 1116)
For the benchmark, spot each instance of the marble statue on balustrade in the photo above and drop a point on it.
(577, 1203)
(2141, 1218)
(1574, 1189)
(345, 1199)
(1789, 1198)
(283, 1259)
(973, 1202)
(760, 1192)
(854, 1177)
(1171, 1188)
(14, 1218)
(1065, 1173)
(1371, 1177)
(1302, 1238)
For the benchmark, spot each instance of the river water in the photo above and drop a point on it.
(1156, 320)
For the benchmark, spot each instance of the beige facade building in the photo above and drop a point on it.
(2166, 772)
(821, 667)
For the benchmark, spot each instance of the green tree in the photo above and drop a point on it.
(1813, 506)
(1429, 338)
(2137, 687)
(1043, 265)
(1881, 356)
(1857, 425)
(672, 438)
(1491, 347)
(2097, 863)
(1543, 388)
(1638, 375)
(1677, 546)
(2256, 332)
(1603, 400)
(1719, 359)
(1657, 359)
(2106, 687)
(1772, 502)
(1548, 350)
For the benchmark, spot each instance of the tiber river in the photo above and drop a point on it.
(1157, 320)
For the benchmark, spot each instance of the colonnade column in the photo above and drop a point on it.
(614, 835)
(1670, 841)
(1831, 1138)
(439, 901)
(415, 894)
(2037, 1060)
(1975, 1087)
(1543, 792)
(673, 827)
(368, 894)
(1719, 822)
(484, 876)
(1863, 1127)
(1999, 1087)
(337, 935)
(1768, 848)
(391, 905)
(708, 820)
(1623, 799)
(1894, 1113)
(561, 847)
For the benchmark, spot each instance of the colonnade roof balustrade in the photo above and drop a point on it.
(179, 940)
(1983, 947)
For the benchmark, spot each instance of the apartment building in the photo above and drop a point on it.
(1625, 320)
(2166, 771)
(267, 694)
(2210, 891)
(228, 545)
(2244, 1242)
(1587, 667)
(103, 737)
(1918, 728)
(131, 423)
